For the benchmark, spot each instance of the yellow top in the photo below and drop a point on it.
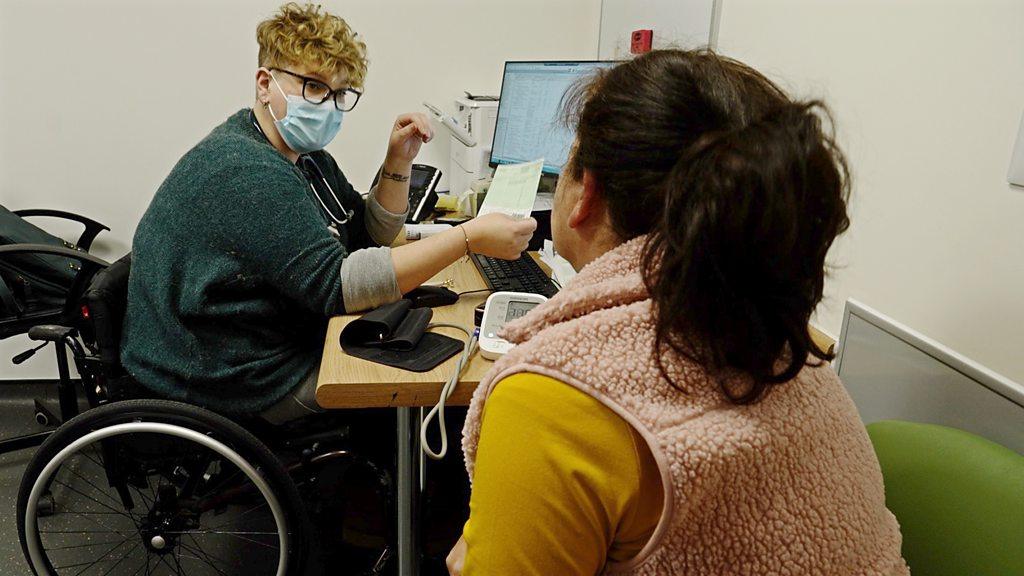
(562, 484)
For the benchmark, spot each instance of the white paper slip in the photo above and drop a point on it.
(544, 202)
(561, 271)
(513, 189)
(418, 231)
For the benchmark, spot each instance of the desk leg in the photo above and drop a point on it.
(407, 436)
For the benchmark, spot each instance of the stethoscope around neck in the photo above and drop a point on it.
(309, 167)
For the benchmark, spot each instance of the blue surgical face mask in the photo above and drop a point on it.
(307, 127)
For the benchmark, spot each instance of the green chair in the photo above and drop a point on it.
(959, 499)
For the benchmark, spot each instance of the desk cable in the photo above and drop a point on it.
(446, 392)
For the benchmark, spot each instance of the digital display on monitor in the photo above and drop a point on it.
(517, 310)
(529, 125)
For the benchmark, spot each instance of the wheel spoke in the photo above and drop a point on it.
(94, 487)
(197, 548)
(81, 513)
(177, 559)
(189, 556)
(100, 524)
(82, 531)
(141, 566)
(77, 491)
(145, 501)
(94, 562)
(104, 469)
(251, 532)
(96, 462)
(123, 558)
(81, 545)
(209, 557)
(234, 535)
(162, 560)
(238, 518)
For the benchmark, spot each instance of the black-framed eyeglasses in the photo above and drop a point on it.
(316, 92)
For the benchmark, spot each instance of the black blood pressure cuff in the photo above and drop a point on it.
(396, 335)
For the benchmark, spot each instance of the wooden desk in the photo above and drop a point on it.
(348, 382)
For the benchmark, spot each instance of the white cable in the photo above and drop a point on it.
(446, 392)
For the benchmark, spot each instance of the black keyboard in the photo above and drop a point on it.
(522, 275)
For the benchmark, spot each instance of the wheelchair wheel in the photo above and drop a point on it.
(159, 487)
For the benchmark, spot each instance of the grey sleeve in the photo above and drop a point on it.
(368, 279)
(381, 224)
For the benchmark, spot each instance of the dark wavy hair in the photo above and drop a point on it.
(741, 191)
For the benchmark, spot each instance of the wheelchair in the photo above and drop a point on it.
(131, 483)
(23, 320)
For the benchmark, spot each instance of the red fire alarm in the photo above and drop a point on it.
(641, 41)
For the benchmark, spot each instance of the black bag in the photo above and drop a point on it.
(32, 282)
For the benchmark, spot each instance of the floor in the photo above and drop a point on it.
(16, 419)
(444, 501)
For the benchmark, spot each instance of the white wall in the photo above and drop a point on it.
(99, 99)
(675, 24)
(928, 96)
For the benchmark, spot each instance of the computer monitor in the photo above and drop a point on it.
(528, 125)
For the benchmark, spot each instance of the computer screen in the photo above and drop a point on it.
(528, 125)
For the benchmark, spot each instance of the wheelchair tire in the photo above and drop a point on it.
(204, 466)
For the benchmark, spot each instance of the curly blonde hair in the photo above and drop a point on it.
(303, 35)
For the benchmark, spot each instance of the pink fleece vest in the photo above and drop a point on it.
(789, 485)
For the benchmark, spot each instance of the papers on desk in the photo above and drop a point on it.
(419, 231)
(544, 202)
(513, 189)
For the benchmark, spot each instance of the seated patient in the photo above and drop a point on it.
(256, 237)
(667, 413)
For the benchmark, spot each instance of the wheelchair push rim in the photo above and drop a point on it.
(34, 545)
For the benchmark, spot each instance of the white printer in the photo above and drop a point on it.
(470, 163)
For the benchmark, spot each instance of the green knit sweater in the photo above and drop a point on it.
(234, 274)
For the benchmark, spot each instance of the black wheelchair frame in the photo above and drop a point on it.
(23, 323)
(92, 325)
(63, 339)
(20, 324)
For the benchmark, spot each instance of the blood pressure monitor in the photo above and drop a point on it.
(500, 309)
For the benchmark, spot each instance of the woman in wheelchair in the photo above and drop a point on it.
(136, 485)
(256, 237)
(196, 366)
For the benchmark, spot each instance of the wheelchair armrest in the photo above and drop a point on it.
(7, 299)
(50, 333)
(92, 227)
(90, 265)
(87, 260)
